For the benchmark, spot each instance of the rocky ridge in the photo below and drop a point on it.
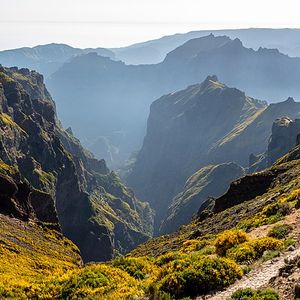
(43, 161)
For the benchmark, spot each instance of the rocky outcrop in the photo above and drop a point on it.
(285, 133)
(208, 182)
(21, 201)
(48, 163)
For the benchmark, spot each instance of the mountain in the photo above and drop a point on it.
(112, 99)
(209, 182)
(49, 177)
(155, 51)
(205, 124)
(45, 59)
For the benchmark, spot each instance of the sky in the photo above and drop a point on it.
(117, 23)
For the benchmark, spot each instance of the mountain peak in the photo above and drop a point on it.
(290, 100)
(211, 78)
(211, 81)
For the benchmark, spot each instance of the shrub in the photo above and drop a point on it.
(243, 253)
(250, 294)
(289, 242)
(99, 281)
(166, 258)
(137, 267)
(266, 243)
(229, 239)
(280, 231)
(201, 277)
(248, 251)
(270, 254)
(193, 245)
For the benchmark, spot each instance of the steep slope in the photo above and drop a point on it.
(95, 210)
(154, 51)
(265, 205)
(183, 129)
(209, 181)
(118, 96)
(45, 59)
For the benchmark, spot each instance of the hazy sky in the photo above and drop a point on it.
(113, 23)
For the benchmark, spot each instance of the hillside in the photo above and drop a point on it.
(252, 242)
(266, 206)
(43, 161)
(120, 95)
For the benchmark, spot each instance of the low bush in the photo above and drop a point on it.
(280, 231)
(268, 255)
(229, 239)
(100, 281)
(266, 243)
(200, 277)
(243, 253)
(254, 249)
(250, 294)
(137, 267)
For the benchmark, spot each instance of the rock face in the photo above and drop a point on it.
(20, 200)
(209, 181)
(284, 137)
(45, 164)
(205, 124)
(117, 96)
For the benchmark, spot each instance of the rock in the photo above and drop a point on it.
(297, 291)
(290, 248)
(284, 137)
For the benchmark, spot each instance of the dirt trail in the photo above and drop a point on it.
(261, 275)
(257, 278)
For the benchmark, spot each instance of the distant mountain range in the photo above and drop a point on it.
(45, 59)
(106, 100)
(285, 40)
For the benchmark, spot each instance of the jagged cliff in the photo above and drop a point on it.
(50, 175)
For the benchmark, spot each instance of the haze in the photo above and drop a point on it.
(94, 23)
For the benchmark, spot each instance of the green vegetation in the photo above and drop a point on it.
(250, 294)
(47, 266)
(273, 212)
(280, 231)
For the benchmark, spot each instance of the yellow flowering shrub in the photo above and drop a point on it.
(229, 239)
(254, 249)
(200, 276)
